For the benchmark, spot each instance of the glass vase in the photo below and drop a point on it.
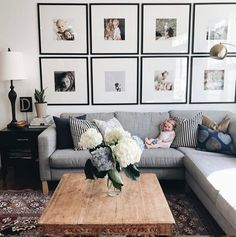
(111, 190)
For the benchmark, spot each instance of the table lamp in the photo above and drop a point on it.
(219, 51)
(12, 68)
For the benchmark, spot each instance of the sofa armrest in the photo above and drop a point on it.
(46, 146)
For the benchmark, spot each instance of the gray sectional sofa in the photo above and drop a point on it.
(212, 176)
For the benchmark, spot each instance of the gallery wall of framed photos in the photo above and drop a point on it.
(136, 53)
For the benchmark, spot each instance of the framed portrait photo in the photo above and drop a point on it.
(212, 81)
(164, 80)
(114, 80)
(63, 28)
(166, 28)
(213, 23)
(65, 80)
(114, 28)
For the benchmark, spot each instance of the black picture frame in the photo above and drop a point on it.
(189, 28)
(66, 58)
(136, 80)
(194, 22)
(86, 44)
(192, 81)
(164, 57)
(92, 51)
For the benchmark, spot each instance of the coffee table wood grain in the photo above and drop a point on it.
(80, 206)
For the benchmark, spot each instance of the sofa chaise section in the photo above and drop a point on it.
(212, 176)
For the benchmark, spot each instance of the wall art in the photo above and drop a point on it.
(212, 81)
(213, 23)
(65, 80)
(114, 28)
(63, 28)
(114, 80)
(165, 28)
(164, 80)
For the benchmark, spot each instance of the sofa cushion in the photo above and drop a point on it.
(90, 116)
(64, 138)
(212, 171)
(214, 141)
(232, 129)
(69, 158)
(217, 116)
(77, 128)
(161, 158)
(186, 131)
(221, 126)
(226, 203)
(142, 124)
(106, 126)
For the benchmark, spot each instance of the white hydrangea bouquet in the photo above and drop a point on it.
(117, 152)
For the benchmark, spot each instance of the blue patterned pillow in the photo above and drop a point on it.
(214, 141)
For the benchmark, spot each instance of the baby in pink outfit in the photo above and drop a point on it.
(166, 136)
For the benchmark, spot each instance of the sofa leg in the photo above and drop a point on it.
(45, 187)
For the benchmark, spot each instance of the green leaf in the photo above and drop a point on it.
(132, 172)
(115, 177)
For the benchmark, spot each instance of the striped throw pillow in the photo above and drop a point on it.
(77, 128)
(186, 131)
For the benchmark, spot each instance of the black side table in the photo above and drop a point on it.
(18, 144)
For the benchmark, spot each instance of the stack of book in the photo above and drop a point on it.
(41, 122)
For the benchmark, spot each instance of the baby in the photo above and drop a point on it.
(116, 32)
(166, 136)
(63, 33)
(60, 24)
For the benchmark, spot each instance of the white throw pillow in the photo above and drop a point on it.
(106, 126)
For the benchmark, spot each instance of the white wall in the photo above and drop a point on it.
(19, 31)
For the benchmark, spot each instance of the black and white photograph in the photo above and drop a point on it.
(214, 79)
(217, 30)
(213, 23)
(64, 81)
(115, 81)
(166, 28)
(114, 29)
(63, 28)
(163, 80)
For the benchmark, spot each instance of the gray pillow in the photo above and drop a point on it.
(77, 128)
(186, 131)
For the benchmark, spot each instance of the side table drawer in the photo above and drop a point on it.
(19, 141)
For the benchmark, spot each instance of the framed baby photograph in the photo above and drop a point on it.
(65, 80)
(63, 28)
(114, 28)
(212, 81)
(214, 23)
(166, 28)
(114, 80)
(164, 80)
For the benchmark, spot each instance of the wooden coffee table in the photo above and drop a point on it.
(82, 207)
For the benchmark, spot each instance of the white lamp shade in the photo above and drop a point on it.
(12, 66)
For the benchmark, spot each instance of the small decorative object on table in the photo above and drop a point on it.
(40, 104)
(118, 151)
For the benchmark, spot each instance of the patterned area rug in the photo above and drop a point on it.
(20, 210)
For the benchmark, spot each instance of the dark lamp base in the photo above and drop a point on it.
(12, 124)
